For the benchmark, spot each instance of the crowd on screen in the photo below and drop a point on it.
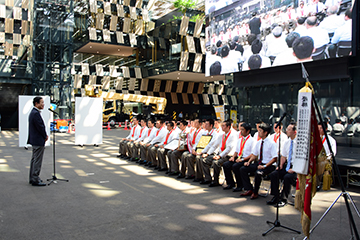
(231, 149)
(286, 35)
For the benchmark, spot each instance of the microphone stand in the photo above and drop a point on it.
(54, 178)
(277, 223)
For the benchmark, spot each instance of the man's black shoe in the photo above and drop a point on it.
(198, 179)
(228, 187)
(282, 203)
(162, 169)
(180, 176)
(238, 189)
(214, 184)
(190, 177)
(273, 201)
(205, 182)
(173, 173)
(39, 184)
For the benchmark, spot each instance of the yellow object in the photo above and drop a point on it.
(327, 178)
(61, 123)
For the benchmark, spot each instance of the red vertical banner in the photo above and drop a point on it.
(306, 184)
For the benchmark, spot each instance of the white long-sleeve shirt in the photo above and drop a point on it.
(150, 135)
(173, 135)
(214, 135)
(197, 133)
(326, 147)
(159, 136)
(143, 134)
(230, 144)
(134, 133)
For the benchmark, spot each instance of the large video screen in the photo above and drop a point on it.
(244, 35)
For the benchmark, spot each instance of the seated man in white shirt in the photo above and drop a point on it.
(228, 65)
(154, 144)
(277, 44)
(325, 144)
(256, 48)
(303, 48)
(187, 158)
(278, 133)
(318, 35)
(133, 135)
(266, 155)
(300, 27)
(225, 149)
(149, 136)
(210, 131)
(287, 56)
(332, 21)
(242, 154)
(284, 171)
(172, 135)
(342, 34)
(316, 7)
(175, 155)
(136, 144)
(338, 128)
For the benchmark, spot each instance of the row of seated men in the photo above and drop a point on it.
(236, 152)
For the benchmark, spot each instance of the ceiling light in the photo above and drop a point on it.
(90, 46)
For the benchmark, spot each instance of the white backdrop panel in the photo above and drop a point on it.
(25, 107)
(88, 120)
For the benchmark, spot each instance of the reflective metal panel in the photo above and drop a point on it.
(119, 83)
(120, 37)
(138, 72)
(100, 21)
(92, 34)
(174, 98)
(198, 28)
(99, 70)
(185, 98)
(106, 35)
(184, 61)
(107, 8)
(168, 86)
(206, 99)
(132, 84)
(196, 99)
(144, 84)
(120, 10)
(184, 26)
(197, 63)
(92, 79)
(113, 22)
(127, 22)
(190, 87)
(85, 69)
(179, 87)
(157, 84)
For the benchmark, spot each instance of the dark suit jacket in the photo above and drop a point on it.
(37, 133)
(254, 25)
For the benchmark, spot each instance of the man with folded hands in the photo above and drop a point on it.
(124, 146)
(154, 144)
(242, 154)
(225, 148)
(261, 162)
(172, 135)
(149, 136)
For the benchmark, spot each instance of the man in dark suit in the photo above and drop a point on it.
(255, 24)
(37, 138)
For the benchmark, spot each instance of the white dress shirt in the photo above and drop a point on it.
(150, 135)
(343, 33)
(326, 147)
(134, 132)
(269, 150)
(228, 65)
(230, 144)
(247, 150)
(214, 135)
(338, 127)
(174, 135)
(197, 133)
(284, 58)
(159, 136)
(331, 23)
(283, 137)
(143, 134)
(318, 35)
(285, 149)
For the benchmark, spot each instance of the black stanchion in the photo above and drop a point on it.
(54, 178)
(277, 223)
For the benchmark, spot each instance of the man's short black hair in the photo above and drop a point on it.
(218, 43)
(136, 117)
(227, 123)
(311, 21)
(151, 120)
(265, 127)
(246, 126)
(291, 37)
(184, 122)
(281, 124)
(161, 121)
(171, 123)
(211, 121)
(348, 13)
(323, 124)
(301, 20)
(303, 47)
(213, 50)
(236, 39)
(239, 48)
(251, 38)
(225, 51)
(36, 100)
(254, 61)
(215, 68)
(256, 46)
(232, 45)
(293, 124)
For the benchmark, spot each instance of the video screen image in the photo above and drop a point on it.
(253, 34)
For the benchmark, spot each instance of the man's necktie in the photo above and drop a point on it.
(290, 156)
(261, 152)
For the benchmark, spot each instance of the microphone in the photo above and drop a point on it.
(53, 111)
(282, 118)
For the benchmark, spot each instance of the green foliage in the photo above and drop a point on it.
(184, 5)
